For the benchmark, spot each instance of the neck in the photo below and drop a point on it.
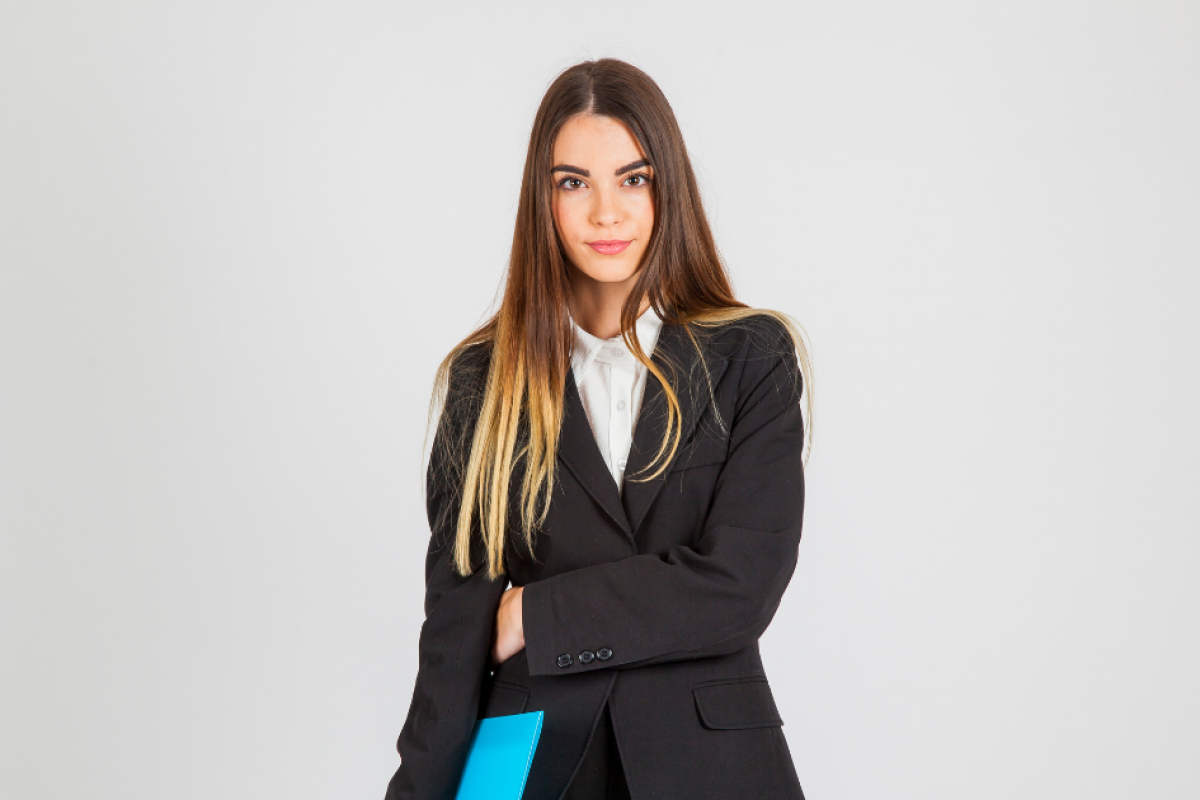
(596, 305)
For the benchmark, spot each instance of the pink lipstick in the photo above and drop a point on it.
(608, 247)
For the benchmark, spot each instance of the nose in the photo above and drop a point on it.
(606, 210)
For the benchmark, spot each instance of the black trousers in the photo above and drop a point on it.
(600, 776)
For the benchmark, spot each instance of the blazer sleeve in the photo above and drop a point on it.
(716, 596)
(455, 638)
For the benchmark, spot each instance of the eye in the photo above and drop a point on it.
(638, 180)
(570, 183)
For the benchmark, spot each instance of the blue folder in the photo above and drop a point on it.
(499, 758)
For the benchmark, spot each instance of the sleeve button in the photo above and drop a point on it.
(564, 660)
(604, 654)
(586, 657)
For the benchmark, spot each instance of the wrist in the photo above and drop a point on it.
(519, 612)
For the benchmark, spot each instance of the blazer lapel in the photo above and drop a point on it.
(577, 450)
(685, 368)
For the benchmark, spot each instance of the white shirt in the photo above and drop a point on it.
(611, 384)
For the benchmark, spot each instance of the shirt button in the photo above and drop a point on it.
(604, 654)
(621, 464)
(564, 660)
(620, 405)
(616, 351)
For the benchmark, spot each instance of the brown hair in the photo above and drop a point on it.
(531, 336)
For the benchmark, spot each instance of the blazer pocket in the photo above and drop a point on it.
(699, 453)
(736, 703)
(504, 699)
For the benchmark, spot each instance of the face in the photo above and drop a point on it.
(603, 201)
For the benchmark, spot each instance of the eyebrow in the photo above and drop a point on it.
(569, 168)
(581, 171)
(635, 165)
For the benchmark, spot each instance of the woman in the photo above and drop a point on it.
(623, 443)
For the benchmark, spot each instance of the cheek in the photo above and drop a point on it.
(556, 213)
(645, 215)
(565, 220)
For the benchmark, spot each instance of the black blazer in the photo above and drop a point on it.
(653, 600)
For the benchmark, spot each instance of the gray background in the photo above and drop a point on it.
(237, 237)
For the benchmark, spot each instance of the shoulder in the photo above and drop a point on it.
(760, 341)
(755, 348)
(760, 334)
(470, 364)
(466, 380)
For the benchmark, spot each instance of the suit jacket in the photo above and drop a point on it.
(652, 600)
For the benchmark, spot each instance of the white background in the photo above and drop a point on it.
(237, 237)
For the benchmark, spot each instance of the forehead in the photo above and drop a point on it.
(589, 140)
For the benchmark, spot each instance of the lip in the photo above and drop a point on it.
(609, 247)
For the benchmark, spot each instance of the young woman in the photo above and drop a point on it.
(623, 443)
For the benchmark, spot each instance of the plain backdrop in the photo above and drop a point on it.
(236, 238)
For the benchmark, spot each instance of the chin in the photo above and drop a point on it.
(609, 271)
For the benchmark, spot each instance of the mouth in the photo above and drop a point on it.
(608, 247)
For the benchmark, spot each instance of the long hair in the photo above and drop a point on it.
(530, 336)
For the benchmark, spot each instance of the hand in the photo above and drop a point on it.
(509, 638)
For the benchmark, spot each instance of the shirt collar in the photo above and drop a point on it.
(589, 348)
